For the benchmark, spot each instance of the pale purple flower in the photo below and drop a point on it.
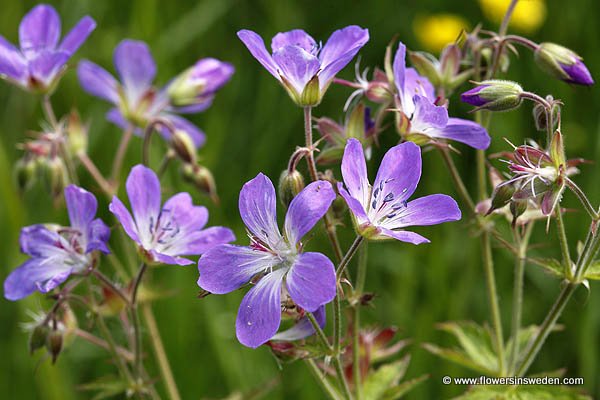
(194, 89)
(297, 59)
(272, 259)
(416, 101)
(166, 232)
(137, 101)
(41, 59)
(382, 211)
(57, 252)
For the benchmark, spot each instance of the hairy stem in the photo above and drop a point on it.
(89, 165)
(137, 328)
(585, 202)
(95, 340)
(120, 156)
(348, 257)
(361, 274)
(458, 182)
(159, 352)
(322, 380)
(506, 19)
(564, 245)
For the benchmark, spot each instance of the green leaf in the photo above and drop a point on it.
(106, 386)
(525, 335)
(457, 357)
(384, 378)
(527, 392)
(593, 271)
(550, 265)
(475, 344)
(400, 390)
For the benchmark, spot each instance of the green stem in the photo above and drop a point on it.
(104, 279)
(547, 326)
(320, 334)
(585, 202)
(506, 19)
(120, 156)
(361, 274)
(521, 243)
(137, 328)
(89, 165)
(346, 260)
(159, 352)
(564, 246)
(322, 380)
(88, 337)
(488, 264)
(458, 182)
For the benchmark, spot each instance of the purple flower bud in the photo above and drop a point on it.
(563, 64)
(494, 95)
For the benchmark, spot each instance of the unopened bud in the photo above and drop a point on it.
(494, 95)
(77, 134)
(426, 65)
(563, 64)
(25, 172)
(201, 178)
(500, 197)
(38, 337)
(450, 62)
(197, 84)
(54, 343)
(184, 146)
(290, 184)
(54, 174)
(517, 208)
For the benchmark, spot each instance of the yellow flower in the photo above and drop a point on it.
(435, 31)
(528, 16)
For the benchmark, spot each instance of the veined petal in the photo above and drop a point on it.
(98, 234)
(12, 63)
(136, 68)
(258, 210)
(97, 81)
(303, 328)
(259, 314)
(39, 29)
(296, 66)
(306, 209)
(354, 205)
(403, 236)
(464, 131)
(81, 206)
(398, 175)
(201, 241)
(117, 207)
(257, 48)
(354, 172)
(39, 241)
(143, 189)
(399, 68)
(46, 65)
(80, 32)
(295, 37)
(415, 84)
(429, 210)
(340, 49)
(169, 259)
(186, 216)
(427, 115)
(311, 281)
(228, 267)
(213, 73)
(35, 274)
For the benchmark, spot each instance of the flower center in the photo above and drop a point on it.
(385, 204)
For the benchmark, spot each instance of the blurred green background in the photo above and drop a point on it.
(253, 127)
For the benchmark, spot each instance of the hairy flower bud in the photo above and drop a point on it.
(25, 172)
(563, 64)
(38, 337)
(54, 343)
(184, 147)
(54, 174)
(77, 134)
(500, 197)
(494, 95)
(290, 184)
(426, 65)
(201, 178)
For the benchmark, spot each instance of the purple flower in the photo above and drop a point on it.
(57, 252)
(39, 62)
(194, 89)
(303, 67)
(421, 117)
(494, 95)
(563, 64)
(271, 259)
(167, 232)
(137, 101)
(382, 211)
